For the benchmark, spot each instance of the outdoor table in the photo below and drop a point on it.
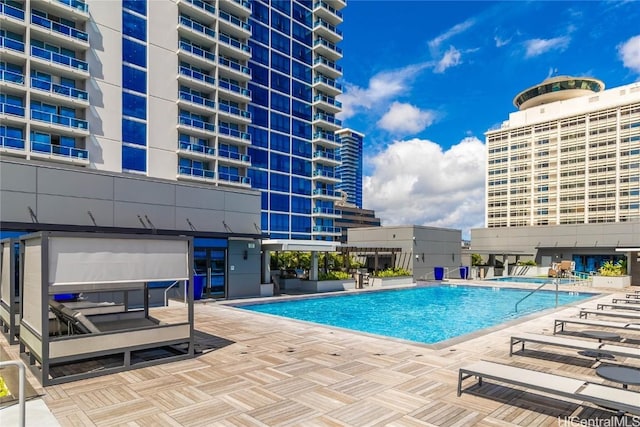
(599, 335)
(620, 374)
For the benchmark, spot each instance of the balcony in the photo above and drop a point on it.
(327, 158)
(197, 151)
(205, 11)
(12, 49)
(76, 5)
(326, 84)
(226, 156)
(11, 112)
(196, 31)
(326, 229)
(233, 135)
(198, 56)
(11, 82)
(325, 176)
(326, 48)
(234, 92)
(236, 180)
(234, 113)
(323, 193)
(56, 121)
(59, 152)
(326, 213)
(326, 67)
(327, 103)
(324, 29)
(232, 46)
(195, 126)
(196, 103)
(327, 121)
(238, 7)
(62, 62)
(327, 12)
(195, 78)
(233, 70)
(9, 145)
(233, 25)
(63, 33)
(11, 18)
(325, 139)
(72, 95)
(196, 174)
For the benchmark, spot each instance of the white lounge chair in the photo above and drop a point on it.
(619, 306)
(584, 345)
(609, 397)
(610, 313)
(627, 325)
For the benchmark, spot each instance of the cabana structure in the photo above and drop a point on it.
(76, 319)
(9, 295)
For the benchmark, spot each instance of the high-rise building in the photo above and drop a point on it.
(350, 170)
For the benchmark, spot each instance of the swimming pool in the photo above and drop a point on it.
(428, 314)
(521, 279)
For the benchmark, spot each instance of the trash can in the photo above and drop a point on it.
(438, 273)
(198, 286)
(464, 272)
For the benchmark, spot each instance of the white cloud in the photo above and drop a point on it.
(537, 47)
(435, 43)
(451, 58)
(415, 183)
(629, 52)
(500, 42)
(382, 87)
(405, 118)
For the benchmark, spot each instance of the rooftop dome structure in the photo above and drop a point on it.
(557, 88)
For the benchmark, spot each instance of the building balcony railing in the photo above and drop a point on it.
(324, 5)
(59, 89)
(234, 43)
(244, 3)
(324, 61)
(81, 6)
(325, 174)
(234, 111)
(11, 77)
(326, 229)
(234, 88)
(321, 24)
(328, 100)
(194, 123)
(234, 20)
(223, 130)
(13, 143)
(196, 26)
(56, 119)
(245, 158)
(234, 179)
(325, 192)
(196, 172)
(59, 150)
(327, 118)
(11, 109)
(320, 79)
(324, 135)
(196, 148)
(197, 75)
(235, 66)
(11, 11)
(326, 211)
(60, 28)
(12, 44)
(202, 5)
(322, 42)
(194, 50)
(59, 59)
(195, 99)
(326, 155)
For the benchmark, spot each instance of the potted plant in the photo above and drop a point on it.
(612, 275)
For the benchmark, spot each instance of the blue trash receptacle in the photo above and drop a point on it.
(464, 272)
(438, 273)
(198, 286)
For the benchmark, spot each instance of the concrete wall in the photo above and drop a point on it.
(243, 275)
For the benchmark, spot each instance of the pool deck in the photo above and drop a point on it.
(260, 370)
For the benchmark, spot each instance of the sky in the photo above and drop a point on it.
(424, 80)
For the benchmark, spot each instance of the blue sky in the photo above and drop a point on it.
(425, 79)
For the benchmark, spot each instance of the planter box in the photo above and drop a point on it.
(391, 281)
(617, 282)
(327, 285)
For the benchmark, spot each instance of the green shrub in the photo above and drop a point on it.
(334, 275)
(393, 272)
(528, 262)
(476, 259)
(611, 269)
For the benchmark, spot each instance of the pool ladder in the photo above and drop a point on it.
(553, 281)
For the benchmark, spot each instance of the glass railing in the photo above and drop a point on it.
(237, 179)
(203, 173)
(59, 28)
(327, 118)
(10, 76)
(202, 5)
(59, 89)
(325, 229)
(14, 12)
(234, 20)
(235, 43)
(328, 7)
(9, 142)
(324, 192)
(197, 75)
(243, 3)
(59, 150)
(12, 44)
(57, 119)
(325, 61)
(327, 81)
(194, 123)
(234, 110)
(326, 211)
(197, 99)
(234, 133)
(197, 27)
(234, 88)
(324, 135)
(81, 6)
(325, 24)
(325, 155)
(323, 42)
(234, 65)
(196, 148)
(328, 100)
(197, 51)
(234, 156)
(12, 109)
(58, 58)
(327, 174)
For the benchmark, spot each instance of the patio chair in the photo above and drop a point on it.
(594, 347)
(623, 314)
(629, 326)
(612, 306)
(609, 397)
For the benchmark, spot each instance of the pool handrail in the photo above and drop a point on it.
(21, 388)
(552, 281)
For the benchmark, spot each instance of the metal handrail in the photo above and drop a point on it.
(21, 387)
(166, 301)
(553, 281)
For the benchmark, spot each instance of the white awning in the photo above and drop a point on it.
(627, 249)
(300, 245)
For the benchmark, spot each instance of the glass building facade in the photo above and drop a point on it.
(350, 170)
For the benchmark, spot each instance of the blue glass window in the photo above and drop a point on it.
(280, 182)
(301, 72)
(280, 142)
(301, 186)
(301, 129)
(134, 132)
(280, 62)
(260, 33)
(280, 82)
(301, 148)
(302, 34)
(279, 222)
(300, 166)
(280, 22)
(259, 137)
(282, 6)
(300, 205)
(280, 42)
(134, 52)
(280, 122)
(260, 12)
(264, 219)
(280, 102)
(259, 95)
(259, 115)
(134, 105)
(259, 53)
(280, 202)
(300, 224)
(134, 158)
(259, 158)
(134, 26)
(264, 200)
(134, 79)
(280, 162)
(301, 91)
(139, 6)
(301, 109)
(301, 14)
(259, 74)
(302, 53)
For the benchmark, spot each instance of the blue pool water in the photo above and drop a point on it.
(427, 314)
(519, 279)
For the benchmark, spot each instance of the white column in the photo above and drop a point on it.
(313, 272)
